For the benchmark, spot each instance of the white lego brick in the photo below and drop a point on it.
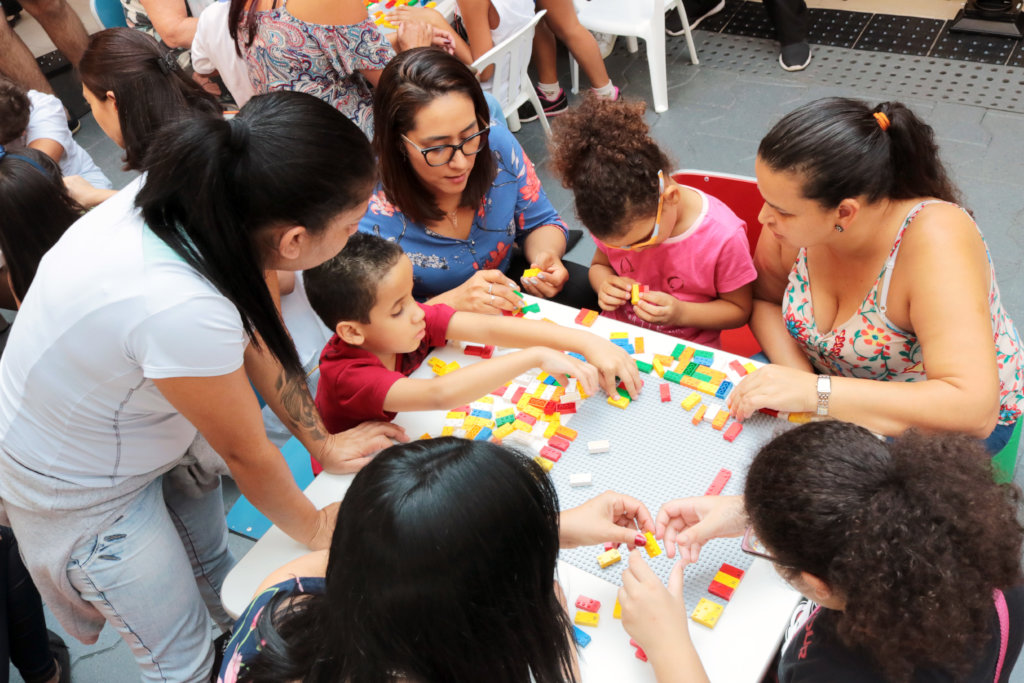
(581, 479)
(598, 446)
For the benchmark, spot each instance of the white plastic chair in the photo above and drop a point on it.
(636, 19)
(510, 83)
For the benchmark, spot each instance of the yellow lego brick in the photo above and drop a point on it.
(619, 401)
(454, 365)
(665, 360)
(570, 434)
(447, 431)
(531, 272)
(607, 558)
(435, 362)
(472, 431)
(544, 463)
(707, 388)
(749, 367)
(590, 318)
(584, 618)
(533, 411)
(659, 368)
(638, 345)
(634, 294)
(551, 430)
(617, 612)
(652, 547)
(486, 399)
(720, 419)
(504, 412)
(455, 415)
(503, 431)
(699, 415)
(619, 335)
(686, 356)
(522, 426)
(552, 418)
(707, 612)
(431, 4)
(728, 580)
(542, 376)
(425, 435)
(799, 418)
(690, 401)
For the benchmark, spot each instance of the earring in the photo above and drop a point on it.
(838, 227)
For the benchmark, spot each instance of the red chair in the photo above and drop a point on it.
(740, 194)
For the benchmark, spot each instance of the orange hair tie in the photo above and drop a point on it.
(883, 120)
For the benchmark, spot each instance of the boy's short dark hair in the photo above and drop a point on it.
(14, 110)
(345, 287)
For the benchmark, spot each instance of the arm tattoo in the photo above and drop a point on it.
(299, 406)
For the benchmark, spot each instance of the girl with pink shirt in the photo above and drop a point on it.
(687, 247)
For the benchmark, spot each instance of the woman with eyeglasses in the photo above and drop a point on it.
(907, 549)
(687, 247)
(457, 192)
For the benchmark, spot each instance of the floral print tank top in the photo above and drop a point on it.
(869, 346)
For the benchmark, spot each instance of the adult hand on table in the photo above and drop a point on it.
(614, 291)
(658, 308)
(349, 451)
(488, 291)
(550, 280)
(777, 387)
(559, 365)
(612, 361)
(610, 516)
(692, 522)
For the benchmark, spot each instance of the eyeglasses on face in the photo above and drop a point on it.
(752, 545)
(439, 155)
(653, 237)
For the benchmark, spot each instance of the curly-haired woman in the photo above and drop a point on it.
(908, 550)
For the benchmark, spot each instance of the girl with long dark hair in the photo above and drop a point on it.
(441, 569)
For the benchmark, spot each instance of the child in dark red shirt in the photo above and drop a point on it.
(382, 335)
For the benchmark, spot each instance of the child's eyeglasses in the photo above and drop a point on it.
(752, 545)
(653, 238)
(439, 155)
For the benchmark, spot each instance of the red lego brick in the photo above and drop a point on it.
(587, 604)
(666, 393)
(721, 590)
(567, 408)
(719, 482)
(527, 418)
(518, 395)
(552, 454)
(487, 352)
(733, 431)
(769, 411)
(731, 570)
(559, 442)
(549, 407)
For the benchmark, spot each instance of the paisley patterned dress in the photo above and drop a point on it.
(322, 60)
(869, 346)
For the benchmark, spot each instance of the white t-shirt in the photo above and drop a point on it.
(214, 50)
(47, 120)
(111, 308)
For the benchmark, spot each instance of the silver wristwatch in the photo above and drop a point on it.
(824, 392)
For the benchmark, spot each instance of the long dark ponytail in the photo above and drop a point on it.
(842, 150)
(214, 186)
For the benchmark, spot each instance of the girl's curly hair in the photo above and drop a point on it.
(604, 153)
(913, 533)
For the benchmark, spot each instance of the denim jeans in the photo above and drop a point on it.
(155, 574)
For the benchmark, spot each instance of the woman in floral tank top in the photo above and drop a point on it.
(869, 270)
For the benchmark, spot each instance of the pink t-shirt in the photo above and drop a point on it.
(711, 257)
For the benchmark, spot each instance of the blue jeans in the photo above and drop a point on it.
(155, 574)
(999, 437)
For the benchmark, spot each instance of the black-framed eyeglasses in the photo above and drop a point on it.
(439, 155)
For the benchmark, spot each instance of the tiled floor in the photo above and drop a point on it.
(718, 113)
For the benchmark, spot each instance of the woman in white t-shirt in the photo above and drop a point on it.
(134, 336)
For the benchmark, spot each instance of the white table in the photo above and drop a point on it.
(738, 649)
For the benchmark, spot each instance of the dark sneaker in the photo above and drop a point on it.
(795, 57)
(696, 11)
(551, 107)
